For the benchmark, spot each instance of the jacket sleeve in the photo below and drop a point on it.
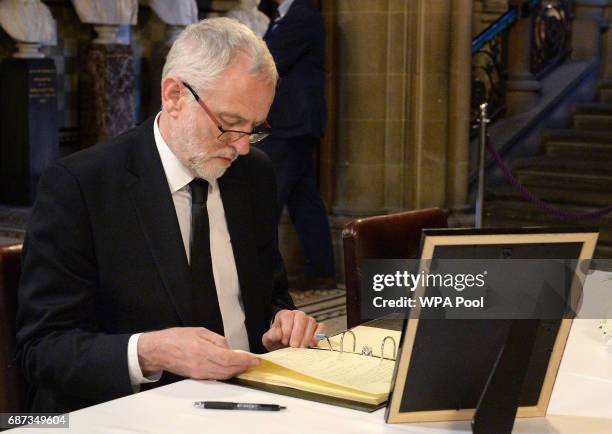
(59, 341)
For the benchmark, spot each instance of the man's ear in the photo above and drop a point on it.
(171, 96)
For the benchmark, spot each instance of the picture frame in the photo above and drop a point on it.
(445, 366)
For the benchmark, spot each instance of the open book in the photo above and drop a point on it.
(349, 376)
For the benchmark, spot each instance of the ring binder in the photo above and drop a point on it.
(359, 379)
(342, 341)
(329, 343)
(366, 350)
(382, 348)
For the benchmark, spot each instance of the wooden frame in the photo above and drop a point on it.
(450, 237)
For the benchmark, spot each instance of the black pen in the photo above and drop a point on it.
(222, 405)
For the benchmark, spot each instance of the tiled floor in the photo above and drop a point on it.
(327, 306)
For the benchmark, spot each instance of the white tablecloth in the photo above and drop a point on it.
(581, 404)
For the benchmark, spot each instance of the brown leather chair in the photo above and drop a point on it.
(392, 236)
(12, 383)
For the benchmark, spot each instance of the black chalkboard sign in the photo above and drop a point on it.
(445, 365)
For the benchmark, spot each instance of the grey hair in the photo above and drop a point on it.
(205, 49)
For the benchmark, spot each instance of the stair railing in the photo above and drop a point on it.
(552, 35)
(490, 68)
(550, 45)
(529, 196)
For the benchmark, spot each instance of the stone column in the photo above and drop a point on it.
(106, 92)
(587, 29)
(106, 86)
(392, 104)
(386, 147)
(606, 56)
(396, 107)
(361, 79)
(427, 141)
(523, 90)
(459, 104)
(328, 149)
(326, 157)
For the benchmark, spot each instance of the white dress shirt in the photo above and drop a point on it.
(283, 8)
(222, 255)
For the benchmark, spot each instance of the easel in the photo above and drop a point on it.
(498, 404)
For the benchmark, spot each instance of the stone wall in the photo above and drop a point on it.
(398, 80)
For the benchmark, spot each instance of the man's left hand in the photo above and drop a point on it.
(291, 328)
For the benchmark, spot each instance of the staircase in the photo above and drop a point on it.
(574, 173)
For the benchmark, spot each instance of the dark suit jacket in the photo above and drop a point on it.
(297, 44)
(103, 259)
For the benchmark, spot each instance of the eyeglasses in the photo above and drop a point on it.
(259, 133)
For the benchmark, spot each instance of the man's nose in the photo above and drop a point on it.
(242, 145)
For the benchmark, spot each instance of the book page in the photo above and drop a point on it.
(363, 373)
(366, 336)
(271, 373)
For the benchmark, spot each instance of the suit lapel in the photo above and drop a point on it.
(235, 195)
(150, 194)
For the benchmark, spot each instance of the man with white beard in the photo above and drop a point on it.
(150, 258)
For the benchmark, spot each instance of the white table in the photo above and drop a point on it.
(581, 404)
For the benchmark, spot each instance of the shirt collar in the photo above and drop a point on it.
(283, 8)
(177, 174)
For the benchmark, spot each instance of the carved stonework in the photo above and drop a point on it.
(27, 21)
(117, 12)
(30, 23)
(107, 34)
(28, 50)
(175, 12)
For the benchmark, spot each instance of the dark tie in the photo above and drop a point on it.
(205, 302)
(272, 26)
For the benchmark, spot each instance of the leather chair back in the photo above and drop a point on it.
(12, 384)
(392, 236)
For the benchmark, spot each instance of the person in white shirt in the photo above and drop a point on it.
(150, 258)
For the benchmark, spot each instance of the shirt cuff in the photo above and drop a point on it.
(136, 377)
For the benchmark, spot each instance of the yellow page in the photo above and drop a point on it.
(363, 373)
(270, 373)
(366, 336)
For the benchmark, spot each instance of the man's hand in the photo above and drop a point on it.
(193, 352)
(291, 328)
